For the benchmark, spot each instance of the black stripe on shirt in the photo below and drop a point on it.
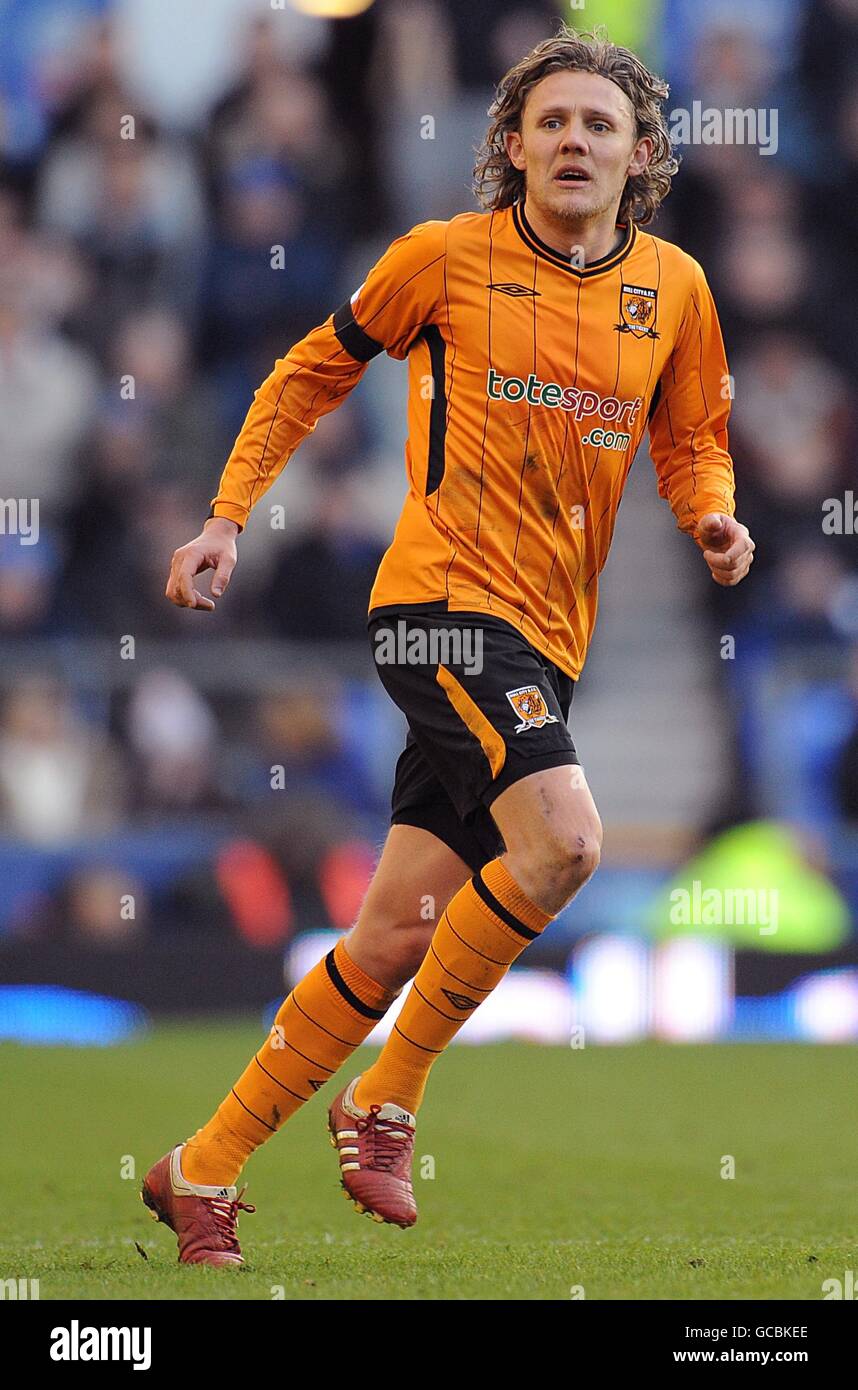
(438, 411)
(352, 338)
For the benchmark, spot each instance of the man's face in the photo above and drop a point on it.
(581, 125)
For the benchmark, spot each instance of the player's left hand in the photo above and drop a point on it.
(728, 548)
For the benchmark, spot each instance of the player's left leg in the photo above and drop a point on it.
(553, 836)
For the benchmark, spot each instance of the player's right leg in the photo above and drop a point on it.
(326, 1016)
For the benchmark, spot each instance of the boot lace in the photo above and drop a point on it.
(225, 1213)
(387, 1136)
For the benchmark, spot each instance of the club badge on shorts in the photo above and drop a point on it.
(529, 704)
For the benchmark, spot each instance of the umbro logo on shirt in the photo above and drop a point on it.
(510, 287)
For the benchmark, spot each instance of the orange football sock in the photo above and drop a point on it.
(486, 926)
(318, 1026)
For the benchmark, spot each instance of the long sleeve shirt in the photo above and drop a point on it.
(531, 382)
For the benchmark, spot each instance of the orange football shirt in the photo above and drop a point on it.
(530, 385)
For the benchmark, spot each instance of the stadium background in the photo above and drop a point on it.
(148, 864)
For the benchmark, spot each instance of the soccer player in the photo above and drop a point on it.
(544, 335)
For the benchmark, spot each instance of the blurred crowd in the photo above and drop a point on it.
(151, 175)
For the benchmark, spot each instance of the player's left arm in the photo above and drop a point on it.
(688, 440)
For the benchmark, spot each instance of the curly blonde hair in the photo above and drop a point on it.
(497, 182)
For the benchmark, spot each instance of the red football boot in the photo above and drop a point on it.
(203, 1218)
(375, 1150)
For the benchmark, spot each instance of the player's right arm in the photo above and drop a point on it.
(400, 295)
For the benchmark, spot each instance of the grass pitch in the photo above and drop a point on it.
(556, 1171)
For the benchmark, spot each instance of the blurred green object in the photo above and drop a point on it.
(752, 886)
(630, 23)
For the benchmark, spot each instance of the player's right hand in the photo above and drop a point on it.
(214, 548)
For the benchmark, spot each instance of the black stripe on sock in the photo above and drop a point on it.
(319, 1066)
(349, 995)
(436, 1052)
(252, 1112)
(347, 1042)
(500, 911)
(451, 1018)
(471, 947)
(281, 1084)
(480, 989)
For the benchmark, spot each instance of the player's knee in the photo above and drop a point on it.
(409, 945)
(559, 867)
(576, 860)
(392, 948)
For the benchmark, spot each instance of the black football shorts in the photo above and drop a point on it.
(484, 709)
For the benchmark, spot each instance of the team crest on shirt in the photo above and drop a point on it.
(530, 707)
(637, 311)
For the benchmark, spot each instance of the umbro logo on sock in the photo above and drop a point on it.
(460, 1001)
